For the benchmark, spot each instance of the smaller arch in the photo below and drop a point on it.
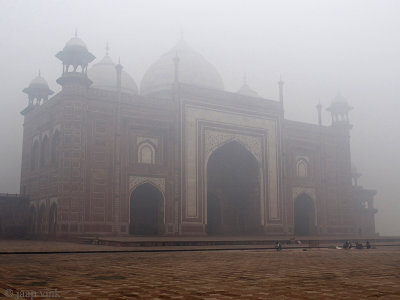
(146, 210)
(146, 153)
(304, 215)
(302, 168)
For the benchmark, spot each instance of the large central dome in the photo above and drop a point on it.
(193, 70)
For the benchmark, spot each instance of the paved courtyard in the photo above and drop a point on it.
(261, 274)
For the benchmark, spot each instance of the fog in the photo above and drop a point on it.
(319, 48)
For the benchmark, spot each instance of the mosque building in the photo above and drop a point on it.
(181, 156)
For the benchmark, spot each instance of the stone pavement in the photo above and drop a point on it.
(261, 274)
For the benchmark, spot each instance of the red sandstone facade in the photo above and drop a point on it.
(98, 161)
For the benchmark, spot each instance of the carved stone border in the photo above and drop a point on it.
(214, 139)
(158, 182)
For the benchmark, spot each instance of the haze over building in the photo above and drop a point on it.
(182, 157)
(317, 55)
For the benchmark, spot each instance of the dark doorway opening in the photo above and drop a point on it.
(304, 215)
(233, 191)
(146, 211)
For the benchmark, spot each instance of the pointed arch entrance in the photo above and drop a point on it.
(304, 215)
(233, 191)
(146, 213)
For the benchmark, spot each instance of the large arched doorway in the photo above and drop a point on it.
(146, 213)
(233, 191)
(304, 215)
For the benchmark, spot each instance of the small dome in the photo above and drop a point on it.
(339, 99)
(104, 76)
(193, 69)
(247, 91)
(339, 104)
(39, 82)
(38, 87)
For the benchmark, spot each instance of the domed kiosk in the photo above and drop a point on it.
(193, 69)
(75, 58)
(38, 90)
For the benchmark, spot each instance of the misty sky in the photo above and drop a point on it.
(319, 47)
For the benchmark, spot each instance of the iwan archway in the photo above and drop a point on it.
(233, 191)
(146, 211)
(304, 215)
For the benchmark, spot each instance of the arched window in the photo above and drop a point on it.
(44, 152)
(146, 153)
(35, 155)
(55, 142)
(302, 168)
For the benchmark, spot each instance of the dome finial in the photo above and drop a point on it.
(107, 48)
(39, 73)
(182, 36)
(176, 67)
(244, 78)
(76, 32)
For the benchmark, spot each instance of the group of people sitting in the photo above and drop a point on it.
(349, 245)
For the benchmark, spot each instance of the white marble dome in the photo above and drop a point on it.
(193, 70)
(104, 76)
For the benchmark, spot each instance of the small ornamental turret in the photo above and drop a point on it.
(38, 91)
(245, 90)
(339, 110)
(75, 58)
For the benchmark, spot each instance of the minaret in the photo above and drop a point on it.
(176, 68)
(280, 83)
(118, 68)
(75, 58)
(117, 154)
(319, 110)
(38, 91)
